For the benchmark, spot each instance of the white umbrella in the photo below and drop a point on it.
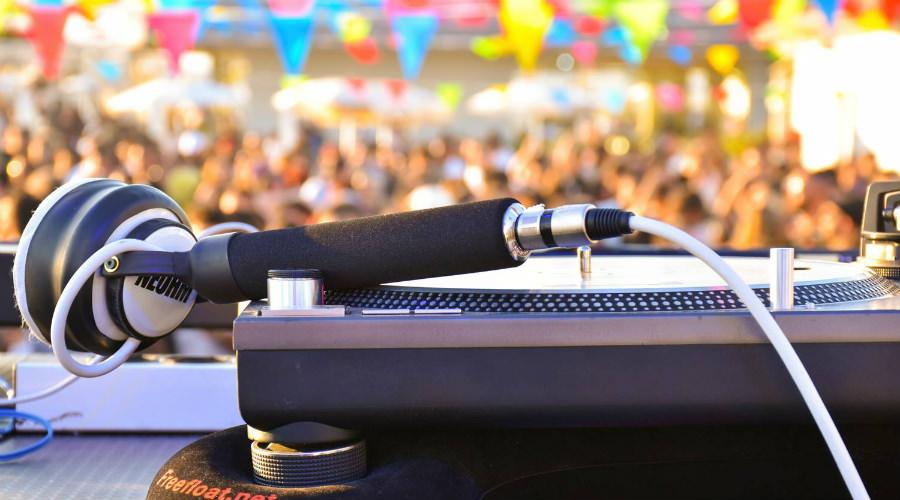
(489, 102)
(170, 92)
(532, 96)
(332, 100)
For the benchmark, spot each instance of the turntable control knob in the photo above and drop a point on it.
(293, 289)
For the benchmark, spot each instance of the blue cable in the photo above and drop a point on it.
(40, 443)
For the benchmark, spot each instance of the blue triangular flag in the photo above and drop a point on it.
(615, 36)
(829, 8)
(414, 32)
(293, 37)
(681, 54)
(561, 33)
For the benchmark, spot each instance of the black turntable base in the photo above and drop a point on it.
(729, 462)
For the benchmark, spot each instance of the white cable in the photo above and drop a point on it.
(227, 227)
(99, 365)
(773, 332)
(62, 384)
(67, 298)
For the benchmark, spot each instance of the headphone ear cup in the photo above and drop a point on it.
(73, 222)
(169, 299)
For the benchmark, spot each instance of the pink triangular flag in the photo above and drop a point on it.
(176, 32)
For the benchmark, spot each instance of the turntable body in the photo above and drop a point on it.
(641, 341)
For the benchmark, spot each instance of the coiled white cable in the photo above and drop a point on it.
(61, 313)
(778, 339)
(99, 365)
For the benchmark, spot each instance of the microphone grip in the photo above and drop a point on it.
(363, 252)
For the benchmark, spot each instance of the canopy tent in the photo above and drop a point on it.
(329, 101)
(349, 103)
(536, 96)
(172, 92)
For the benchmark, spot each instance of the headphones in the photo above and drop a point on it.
(61, 292)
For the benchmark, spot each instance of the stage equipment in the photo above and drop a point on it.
(880, 238)
(154, 269)
(150, 393)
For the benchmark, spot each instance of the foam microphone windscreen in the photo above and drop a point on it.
(364, 252)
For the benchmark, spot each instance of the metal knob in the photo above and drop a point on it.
(781, 278)
(293, 289)
(287, 467)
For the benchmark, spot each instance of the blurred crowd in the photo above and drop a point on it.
(758, 198)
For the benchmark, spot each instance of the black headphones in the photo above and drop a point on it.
(72, 224)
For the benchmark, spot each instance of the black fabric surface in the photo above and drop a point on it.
(369, 251)
(672, 463)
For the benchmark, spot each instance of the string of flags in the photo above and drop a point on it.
(629, 28)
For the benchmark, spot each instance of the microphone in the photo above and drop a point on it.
(154, 268)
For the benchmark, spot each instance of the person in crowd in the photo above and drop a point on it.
(754, 199)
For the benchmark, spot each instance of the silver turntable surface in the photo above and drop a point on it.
(618, 284)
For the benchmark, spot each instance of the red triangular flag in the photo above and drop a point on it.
(46, 36)
(176, 32)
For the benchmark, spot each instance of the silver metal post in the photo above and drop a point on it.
(781, 278)
(294, 289)
(584, 260)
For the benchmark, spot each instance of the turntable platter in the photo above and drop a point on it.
(560, 273)
(617, 284)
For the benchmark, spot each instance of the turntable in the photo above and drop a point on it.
(638, 341)
(587, 343)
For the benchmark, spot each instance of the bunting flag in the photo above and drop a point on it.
(47, 3)
(291, 8)
(363, 52)
(561, 33)
(785, 12)
(352, 27)
(201, 7)
(631, 54)
(525, 23)
(723, 12)
(690, 10)
(614, 37)
(891, 9)
(645, 21)
(722, 58)
(829, 8)
(176, 32)
(91, 8)
(596, 8)
(584, 51)
(680, 54)
(46, 36)
(588, 26)
(752, 13)
(414, 34)
(293, 38)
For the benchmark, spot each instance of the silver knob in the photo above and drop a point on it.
(293, 289)
(781, 278)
